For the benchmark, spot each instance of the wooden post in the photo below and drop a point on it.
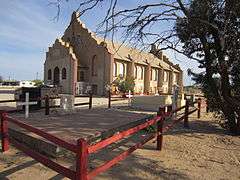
(81, 160)
(169, 109)
(109, 99)
(207, 107)
(199, 108)
(4, 132)
(161, 112)
(186, 125)
(47, 105)
(90, 100)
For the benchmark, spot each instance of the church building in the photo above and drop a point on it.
(79, 60)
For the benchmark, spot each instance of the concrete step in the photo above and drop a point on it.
(44, 147)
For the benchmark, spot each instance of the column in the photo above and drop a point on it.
(147, 78)
(130, 69)
(180, 81)
(170, 82)
(160, 79)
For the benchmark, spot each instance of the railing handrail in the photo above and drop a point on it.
(175, 121)
(82, 149)
(120, 135)
(41, 133)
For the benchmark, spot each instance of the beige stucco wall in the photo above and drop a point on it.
(153, 103)
(85, 48)
(59, 56)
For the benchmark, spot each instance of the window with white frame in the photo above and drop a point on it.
(121, 69)
(135, 72)
(114, 69)
(165, 76)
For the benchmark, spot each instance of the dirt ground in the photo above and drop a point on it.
(205, 151)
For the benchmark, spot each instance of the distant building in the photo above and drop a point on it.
(26, 84)
(79, 59)
(18, 83)
(10, 83)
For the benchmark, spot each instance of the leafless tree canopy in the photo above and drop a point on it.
(204, 30)
(140, 26)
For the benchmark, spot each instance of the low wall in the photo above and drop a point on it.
(152, 103)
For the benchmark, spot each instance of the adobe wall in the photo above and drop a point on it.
(86, 49)
(60, 56)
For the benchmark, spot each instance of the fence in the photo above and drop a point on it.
(47, 103)
(82, 149)
(112, 98)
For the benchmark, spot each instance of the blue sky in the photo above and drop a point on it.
(27, 30)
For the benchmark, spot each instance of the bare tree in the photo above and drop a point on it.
(206, 31)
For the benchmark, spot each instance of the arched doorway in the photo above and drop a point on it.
(56, 76)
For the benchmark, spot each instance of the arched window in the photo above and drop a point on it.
(114, 69)
(56, 74)
(154, 74)
(94, 65)
(139, 72)
(142, 72)
(64, 73)
(49, 74)
(175, 78)
(81, 76)
(121, 69)
(165, 76)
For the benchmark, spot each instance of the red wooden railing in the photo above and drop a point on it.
(82, 149)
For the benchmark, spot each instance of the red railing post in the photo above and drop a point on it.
(186, 125)
(4, 132)
(161, 112)
(109, 98)
(90, 100)
(81, 160)
(47, 105)
(199, 108)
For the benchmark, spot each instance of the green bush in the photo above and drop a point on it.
(125, 84)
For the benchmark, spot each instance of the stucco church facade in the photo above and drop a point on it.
(79, 59)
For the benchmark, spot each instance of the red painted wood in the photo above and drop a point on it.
(161, 112)
(58, 141)
(159, 134)
(118, 158)
(166, 128)
(178, 109)
(45, 161)
(4, 132)
(121, 135)
(81, 160)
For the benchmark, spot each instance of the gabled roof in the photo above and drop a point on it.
(126, 53)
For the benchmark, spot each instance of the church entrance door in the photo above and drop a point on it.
(56, 76)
